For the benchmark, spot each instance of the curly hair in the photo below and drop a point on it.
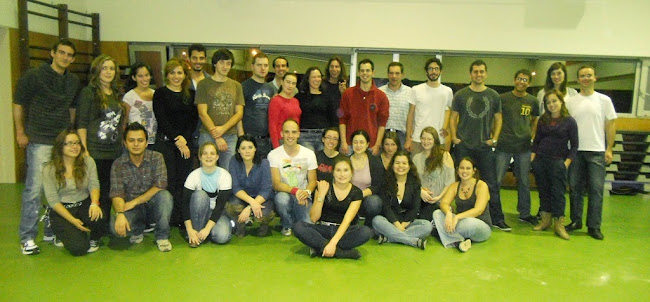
(434, 160)
(79, 166)
(391, 180)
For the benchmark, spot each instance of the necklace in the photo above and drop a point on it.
(466, 190)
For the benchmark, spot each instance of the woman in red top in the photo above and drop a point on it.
(282, 107)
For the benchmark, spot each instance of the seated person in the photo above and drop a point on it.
(207, 189)
(401, 196)
(471, 222)
(138, 182)
(368, 175)
(328, 155)
(389, 145)
(336, 232)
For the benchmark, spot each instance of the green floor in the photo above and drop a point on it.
(519, 266)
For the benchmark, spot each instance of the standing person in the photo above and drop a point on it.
(335, 80)
(139, 100)
(471, 222)
(520, 112)
(399, 97)
(335, 232)
(198, 59)
(475, 124)
(72, 190)
(280, 68)
(293, 172)
(220, 102)
(596, 118)
(398, 222)
(436, 170)
(368, 175)
(363, 107)
(206, 191)
(43, 106)
(257, 96)
(283, 106)
(429, 108)
(173, 105)
(551, 159)
(101, 119)
(252, 188)
(556, 78)
(390, 144)
(138, 182)
(318, 110)
(328, 155)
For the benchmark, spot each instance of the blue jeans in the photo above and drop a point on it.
(311, 139)
(417, 229)
(36, 157)
(485, 162)
(466, 228)
(521, 171)
(200, 215)
(587, 167)
(224, 156)
(160, 205)
(550, 175)
(370, 207)
(289, 210)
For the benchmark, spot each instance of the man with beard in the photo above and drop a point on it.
(198, 59)
(281, 67)
(430, 107)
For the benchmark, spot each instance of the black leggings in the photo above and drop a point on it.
(317, 236)
(75, 240)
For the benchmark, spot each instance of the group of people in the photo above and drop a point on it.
(210, 155)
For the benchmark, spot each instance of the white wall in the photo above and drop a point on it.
(7, 161)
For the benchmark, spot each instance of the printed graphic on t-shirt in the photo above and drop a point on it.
(108, 131)
(147, 119)
(477, 109)
(262, 98)
(526, 109)
(294, 170)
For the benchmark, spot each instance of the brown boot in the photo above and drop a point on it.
(558, 227)
(544, 223)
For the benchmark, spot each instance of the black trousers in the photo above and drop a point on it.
(104, 175)
(75, 240)
(178, 169)
(317, 236)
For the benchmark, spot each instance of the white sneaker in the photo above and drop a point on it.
(164, 245)
(30, 248)
(465, 245)
(57, 242)
(94, 246)
(50, 238)
(135, 239)
(286, 231)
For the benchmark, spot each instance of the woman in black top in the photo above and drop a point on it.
(173, 105)
(325, 158)
(335, 80)
(402, 201)
(471, 222)
(334, 212)
(318, 110)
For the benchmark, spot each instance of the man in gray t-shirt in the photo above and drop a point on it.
(475, 125)
(520, 112)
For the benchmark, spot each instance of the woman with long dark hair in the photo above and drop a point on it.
(139, 99)
(318, 110)
(335, 80)
(283, 106)
(390, 144)
(101, 120)
(398, 222)
(556, 78)
(72, 190)
(551, 158)
(368, 175)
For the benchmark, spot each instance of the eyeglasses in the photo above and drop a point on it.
(523, 80)
(72, 144)
(430, 69)
(331, 138)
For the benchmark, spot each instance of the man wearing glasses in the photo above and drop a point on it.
(520, 112)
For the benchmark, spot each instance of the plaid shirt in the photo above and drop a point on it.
(129, 181)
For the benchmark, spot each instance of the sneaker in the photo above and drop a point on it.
(286, 231)
(422, 244)
(313, 253)
(30, 248)
(465, 245)
(94, 246)
(57, 242)
(502, 226)
(264, 230)
(150, 228)
(530, 219)
(249, 222)
(382, 239)
(135, 239)
(164, 245)
(49, 238)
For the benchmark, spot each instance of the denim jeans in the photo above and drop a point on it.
(485, 161)
(289, 210)
(587, 167)
(370, 207)
(521, 171)
(317, 236)
(466, 228)
(160, 205)
(417, 229)
(550, 175)
(224, 156)
(200, 215)
(311, 139)
(36, 157)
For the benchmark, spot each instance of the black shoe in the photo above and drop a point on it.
(502, 226)
(574, 225)
(595, 233)
(347, 254)
(264, 230)
(530, 219)
(240, 230)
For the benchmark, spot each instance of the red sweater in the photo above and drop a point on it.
(280, 109)
(363, 110)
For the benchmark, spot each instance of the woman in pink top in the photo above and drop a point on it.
(282, 107)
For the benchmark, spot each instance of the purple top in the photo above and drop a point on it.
(552, 138)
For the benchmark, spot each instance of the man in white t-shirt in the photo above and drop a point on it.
(293, 173)
(430, 107)
(594, 112)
